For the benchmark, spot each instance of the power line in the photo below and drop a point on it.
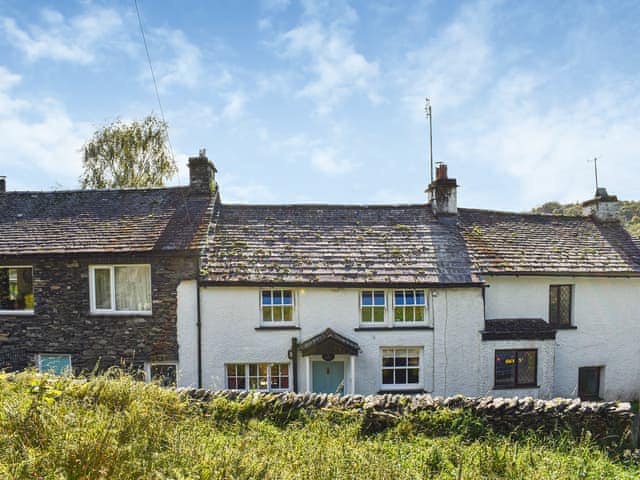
(157, 90)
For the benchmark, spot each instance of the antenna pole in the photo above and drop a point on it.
(595, 170)
(427, 111)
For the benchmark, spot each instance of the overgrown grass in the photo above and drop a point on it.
(114, 427)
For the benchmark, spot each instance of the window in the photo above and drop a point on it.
(258, 376)
(277, 306)
(57, 364)
(409, 306)
(589, 383)
(164, 374)
(560, 304)
(121, 288)
(516, 368)
(401, 367)
(16, 289)
(372, 305)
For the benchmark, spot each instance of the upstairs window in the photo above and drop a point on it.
(372, 306)
(16, 289)
(277, 306)
(258, 376)
(409, 306)
(560, 300)
(120, 288)
(516, 368)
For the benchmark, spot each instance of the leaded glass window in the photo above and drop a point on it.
(560, 300)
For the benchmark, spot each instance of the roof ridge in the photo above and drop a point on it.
(95, 190)
(317, 205)
(527, 214)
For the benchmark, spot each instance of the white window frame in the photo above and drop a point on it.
(266, 323)
(425, 307)
(148, 365)
(246, 376)
(20, 312)
(40, 355)
(385, 308)
(112, 310)
(403, 386)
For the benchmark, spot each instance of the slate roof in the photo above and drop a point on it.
(406, 244)
(135, 220)
(518, 329)
(335, 244)
(504, 243)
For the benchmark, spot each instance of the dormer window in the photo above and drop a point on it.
(276, 306)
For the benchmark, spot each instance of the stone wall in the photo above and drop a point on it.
(62, 321)
(610, 423)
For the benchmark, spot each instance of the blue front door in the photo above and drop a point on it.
(328, 377)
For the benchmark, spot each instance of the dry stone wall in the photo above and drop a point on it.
(611, 423)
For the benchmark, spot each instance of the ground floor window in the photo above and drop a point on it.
(516, 368)
(401, 367)
(258, 376)
(589, 383)
(57, 364)
(164, 374)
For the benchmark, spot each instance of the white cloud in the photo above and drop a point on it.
(337, 69)
(180, 63)
(329, 161)
(39, 133)
(76, 39)
(234, 107)
(454, 66)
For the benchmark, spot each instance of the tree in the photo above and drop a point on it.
(132, 154)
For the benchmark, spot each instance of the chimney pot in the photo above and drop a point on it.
(602, 207)
(3, 184)
(202, 174)
(443, 193)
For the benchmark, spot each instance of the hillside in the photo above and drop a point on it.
(629, 213)
(112, 427)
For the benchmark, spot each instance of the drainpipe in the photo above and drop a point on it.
(199, 329)
(294, 362)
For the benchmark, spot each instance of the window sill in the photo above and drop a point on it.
(22, 313)
(564, 327)
(394, 328)
(120, 314)
(516, 387)
(403, 391)
(277, 327)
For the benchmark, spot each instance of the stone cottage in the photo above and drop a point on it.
(88, 278)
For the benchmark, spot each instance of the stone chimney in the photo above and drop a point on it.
(202, 174)
(603, 207)
(442, 193)
(3, 184)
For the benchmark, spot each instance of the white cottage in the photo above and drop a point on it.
(414, 298)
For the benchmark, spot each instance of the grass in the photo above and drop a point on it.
(113, 427)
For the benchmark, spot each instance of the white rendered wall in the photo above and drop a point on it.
(230, 316)
(606, 313)
(187, 317)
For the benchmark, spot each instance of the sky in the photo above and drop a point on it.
(323, 101)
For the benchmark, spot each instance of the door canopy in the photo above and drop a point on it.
(329, 344)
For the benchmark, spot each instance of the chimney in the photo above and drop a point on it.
(603, 207)
(202, 174)
(3, 184)
(442, 193)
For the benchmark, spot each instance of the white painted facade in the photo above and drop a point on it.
(454, 358)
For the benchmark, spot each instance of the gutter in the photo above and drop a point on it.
(199, 329)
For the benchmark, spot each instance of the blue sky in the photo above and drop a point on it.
(323, 101)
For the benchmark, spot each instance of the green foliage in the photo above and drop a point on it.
(134, 155)
(113, 427)
(629, 213)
